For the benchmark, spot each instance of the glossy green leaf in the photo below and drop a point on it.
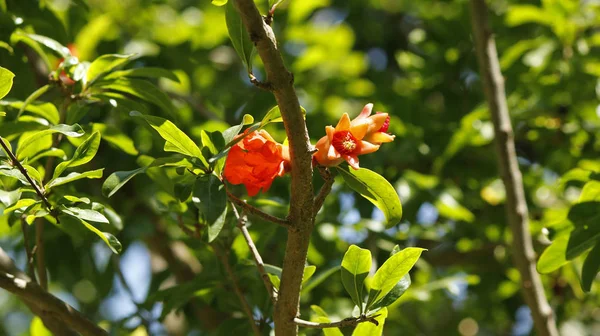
(83, 154)
(274, 115)
(143, 73)
(210, 198)
(177, 140)
(229, 136)
(239, 36)
(68, 130)
(45, 110)
(51, 44)
(321, 316)
(585, 213)
(51, 152)
(554, 256)
(309, 271)
(376, 189)
(32, 97)
(111, 241)
(9, 198)
(85, 214)
(6, 81)
(142, 89)
(275, 280)
(22, 203)
(370, 329)
(104, 64)
(355, 269)
(219, 2)
(591, 267)
(115, 137)
(71, 177)
(395, 293)
(118, 179)
(22, 37)
(582, 239)
(390, 273)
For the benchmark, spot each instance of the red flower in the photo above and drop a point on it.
(256, 161)
(349, 139)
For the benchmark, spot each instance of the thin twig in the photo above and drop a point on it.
(348, 322)
(193, 234)
(516, 204)
(261, 85)
(236, 287)
(255, 211)
(260, 265)
(23, 171)
(328, 177)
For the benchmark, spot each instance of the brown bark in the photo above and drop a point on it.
(301, 217)
(516, 206)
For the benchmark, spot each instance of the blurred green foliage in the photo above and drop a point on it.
(412, 59)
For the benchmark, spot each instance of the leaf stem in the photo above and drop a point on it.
(347, 322)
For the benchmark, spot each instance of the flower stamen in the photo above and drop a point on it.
(345, 143)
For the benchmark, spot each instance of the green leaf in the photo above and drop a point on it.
(142, 89)
(115, 137)
(83, 154)
(308, 273)
(554, 256)
(51, 44)
(177, 140)
(9, 198)
(92, 174)
(230, 133)
(144, 73)
(219, 2)
(85, 214)
(397, 291)
(582, 239)
(275, 281)
(376, 189)
(210, 198)
(591, 267)
(6, 81)
(51, 152)
(32, 97)
(318, 279)
(370, 329)
(29, 140)
(45, 110)
(118, 179)
(521, 14)
(110, 240)
(21, 36)
(22, 203)
(355, 269)
(390, 273)
(321, 316)
(585, 213)
(104, 64)
(239, 36)
(274, 115)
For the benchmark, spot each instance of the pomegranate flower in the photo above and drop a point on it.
(351, 138)
(256, 161)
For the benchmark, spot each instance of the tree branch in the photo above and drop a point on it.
(236, 287)
(328, 177)
(347, 322)
(260, 265)
(301, 215)
(56, 314)
(255, 211)
(516, 205)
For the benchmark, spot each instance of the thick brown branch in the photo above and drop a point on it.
(301, 214)
(236, 287)
(348, 322)
(55, 313)
(516, 205)
(260, 265)
(257, 212)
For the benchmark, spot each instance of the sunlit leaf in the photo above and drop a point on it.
(376, 189)
(104, 64)
(118, 179)
(71, 177)
(83, 154)
(554, 256)
(143, 73)
(355, 269)
(6, 81)
(370, 329)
